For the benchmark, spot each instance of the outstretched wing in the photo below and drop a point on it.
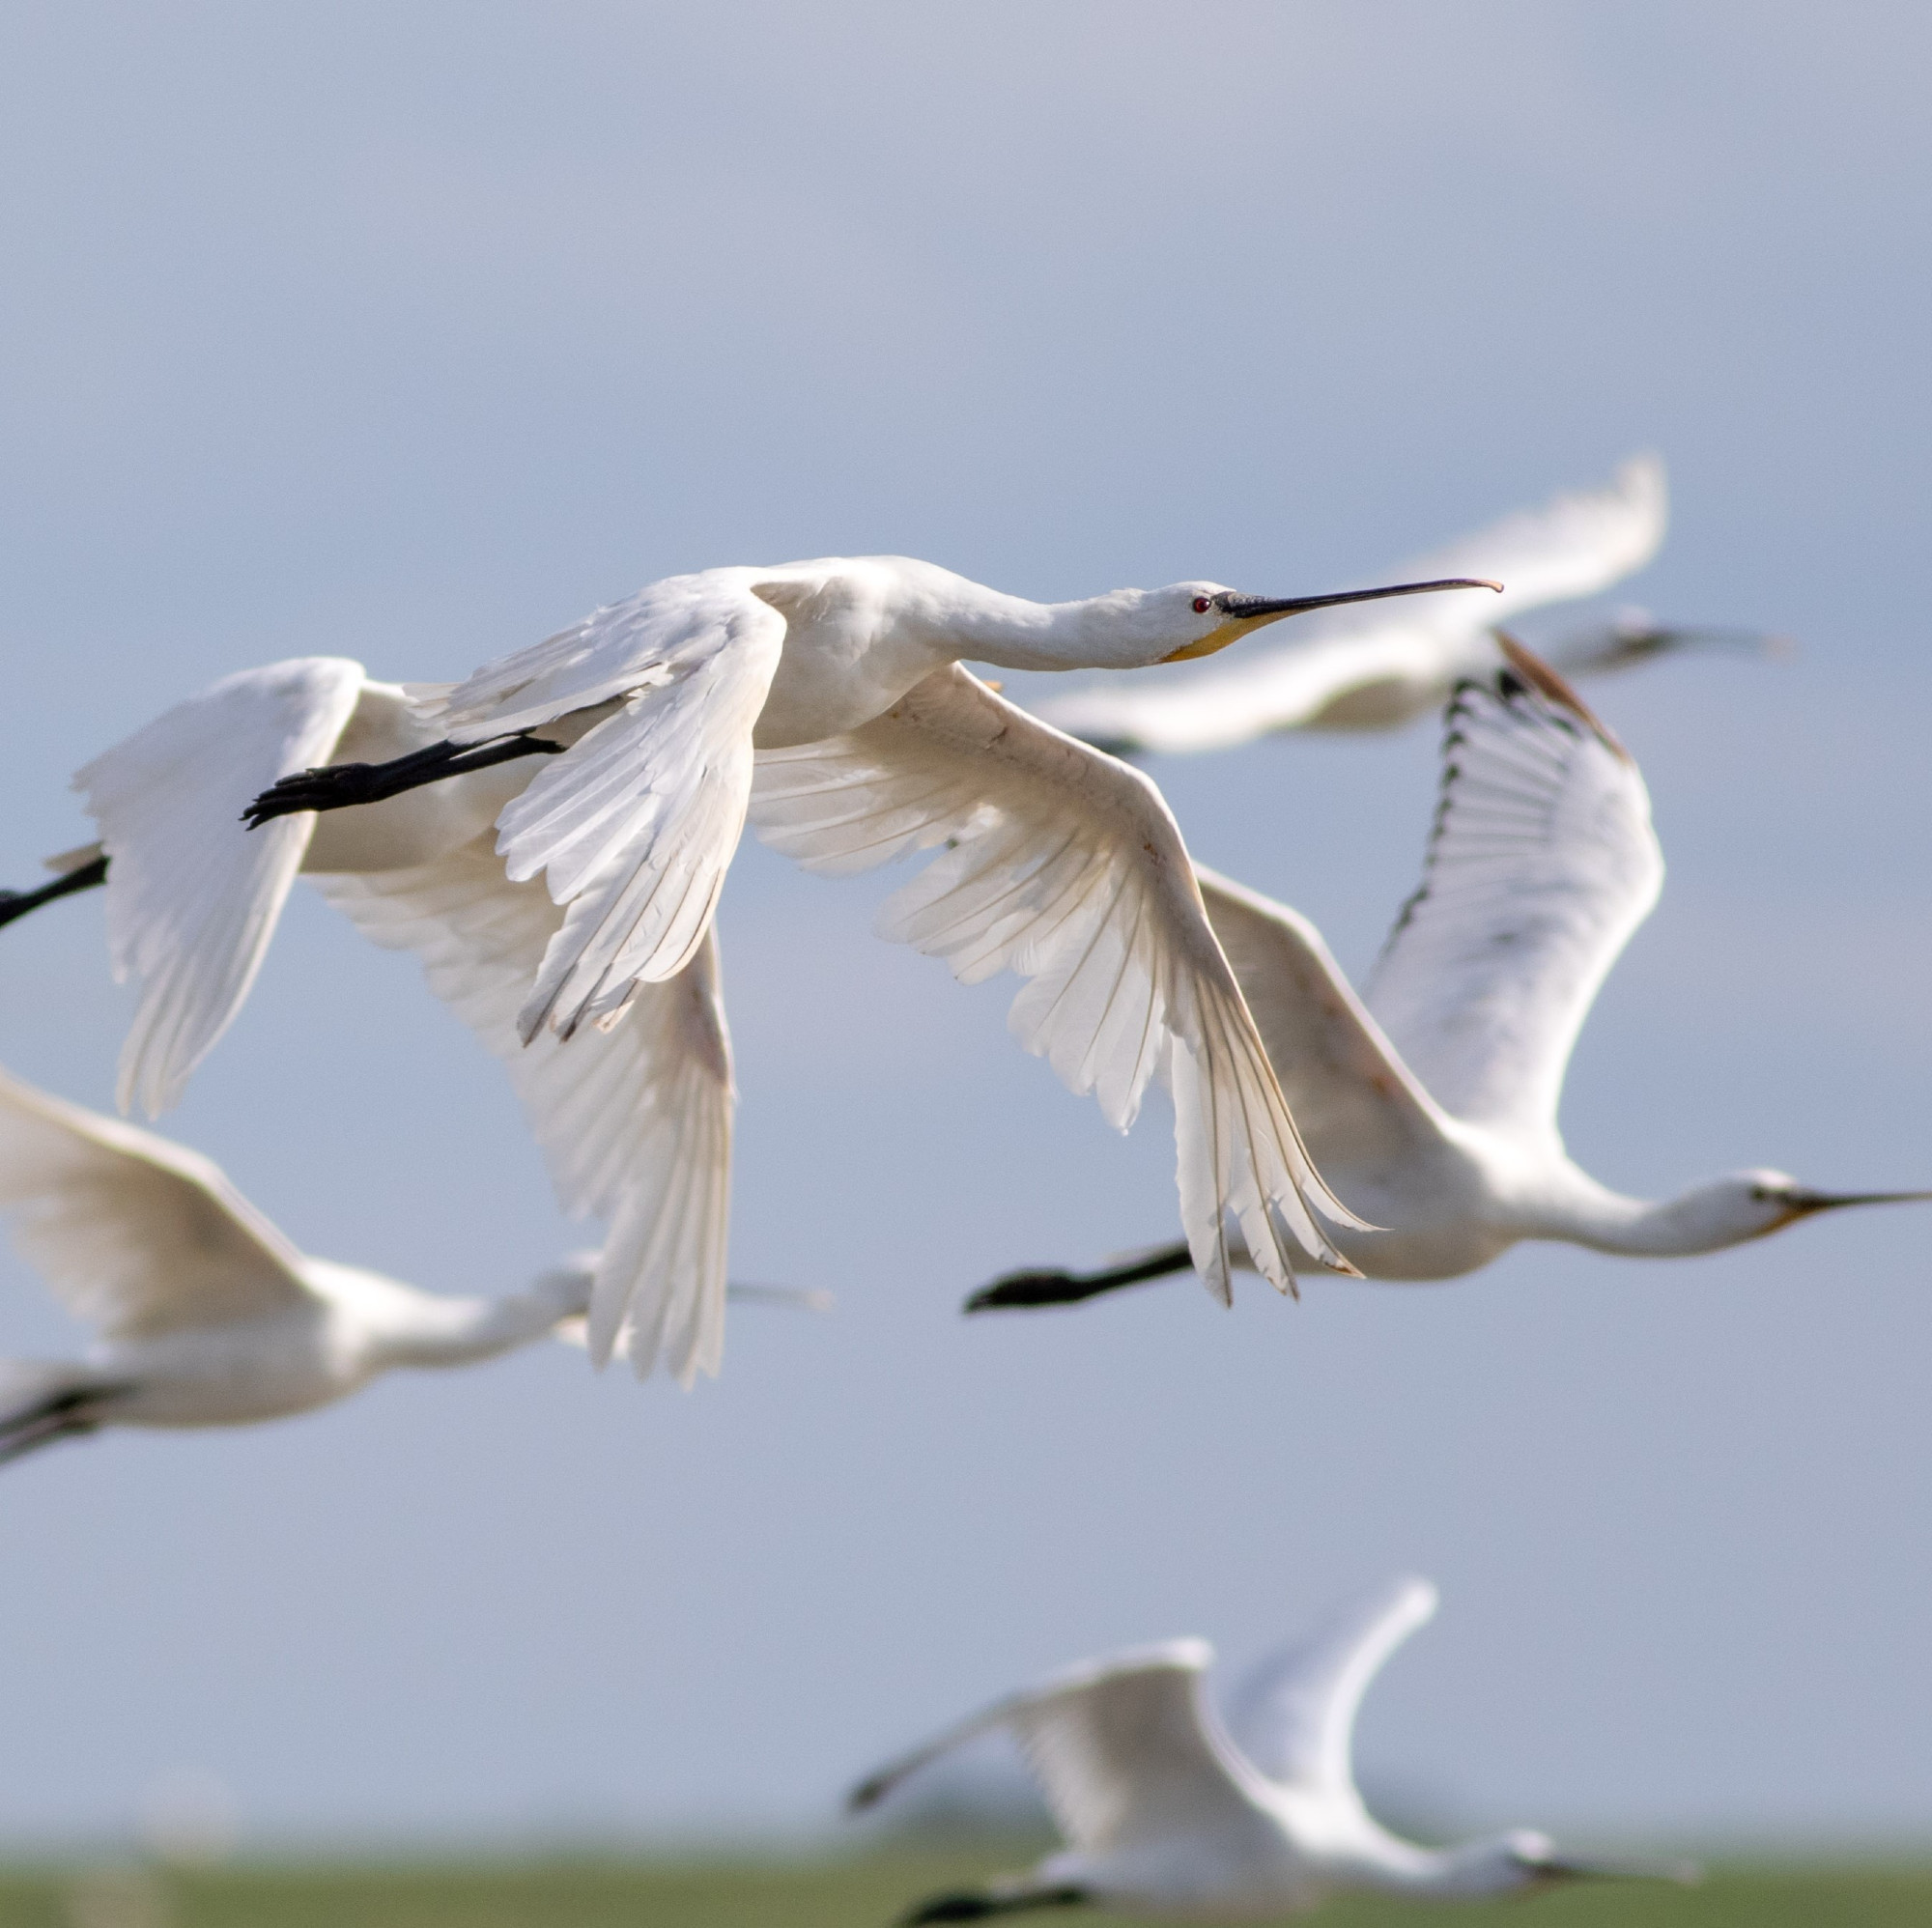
(1066, 866)
(192, 897)
(634, 824)
(1346, 1087)
(1294, 1714)
(634, 1113)
(135, 1235)
(1541, 866)
(1126, 1750)
(1375, 663)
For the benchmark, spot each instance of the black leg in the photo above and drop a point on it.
(17, 903)
(976, 1906)
(68, 1415)
(1057, 1287)
(341, 785)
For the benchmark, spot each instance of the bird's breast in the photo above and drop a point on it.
(835, 675)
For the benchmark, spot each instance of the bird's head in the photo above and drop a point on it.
(1208, 617)
(1750, 1205)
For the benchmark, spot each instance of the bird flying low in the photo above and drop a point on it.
(1359, 670)
(567, 914)
(1431, 1105)
(1165, 1808)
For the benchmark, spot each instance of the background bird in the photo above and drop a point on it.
(205, 1315)
(1163, 1807)
(1432, 1106)
(1362, 668)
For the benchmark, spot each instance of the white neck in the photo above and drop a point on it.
(459, 1331)
(1124, 628)
(1593, 1216)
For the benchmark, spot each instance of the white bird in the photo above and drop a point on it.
(1361, 669)
(205, 1315)
(1432, 1106)
(1064, 865)
(1164, 1808)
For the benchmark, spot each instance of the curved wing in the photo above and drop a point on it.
(1346, 1087)
(634, 824)
(1374, 664)
(1294, 1714)
(193, 898)
(1067, 867)
(135, 1235)
(1126, 1750)
(633, 1114)
(1541, 866)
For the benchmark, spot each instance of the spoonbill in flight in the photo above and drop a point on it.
(1376, 668)
(1432, 1106)
(1165, 1808)
(207, 1315)
(1065, 864)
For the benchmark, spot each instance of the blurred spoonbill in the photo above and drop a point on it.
(207, 1315)
(1164, 1808)
(1432, 1106)
(1358, 669)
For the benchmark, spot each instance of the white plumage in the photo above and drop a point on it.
(590, 918)
(1431, 1105)
(1165, 1808)
(205, 1315)
(1375, 668)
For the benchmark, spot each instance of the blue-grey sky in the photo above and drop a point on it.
(412, 331)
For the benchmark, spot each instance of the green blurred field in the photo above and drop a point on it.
(832, 1894)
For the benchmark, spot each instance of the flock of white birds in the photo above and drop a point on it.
(551, 837)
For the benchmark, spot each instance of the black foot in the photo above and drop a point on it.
(969, 1906)
(64, 1416)
(17, 903)
(1038, 1287)
(340, 787)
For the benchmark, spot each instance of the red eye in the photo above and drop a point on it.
(1203, 604)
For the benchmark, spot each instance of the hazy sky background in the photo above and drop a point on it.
(412, 332)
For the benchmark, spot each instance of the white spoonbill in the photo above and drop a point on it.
(651, 708)
(1432, 1106)
(207, 1315)
(1164, 1808)
(1376, 668)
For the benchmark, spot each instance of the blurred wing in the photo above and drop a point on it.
(135, 1235)
(1294, 1716)
(1575, 545)
(1066, 866)
(1541, 866)
(1349, 1090)
(634, 1114)
(193, 897)
(634, 824)
(1126, 1750)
